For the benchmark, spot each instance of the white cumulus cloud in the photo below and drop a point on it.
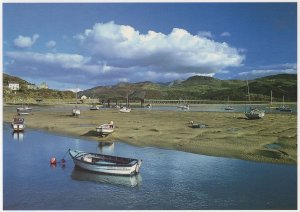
(25, 42)
(110, 53)
(178, 51)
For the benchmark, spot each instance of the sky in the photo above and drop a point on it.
(83, 45)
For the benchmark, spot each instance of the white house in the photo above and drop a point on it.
(14, 86)
(83, 97)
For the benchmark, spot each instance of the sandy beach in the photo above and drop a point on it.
(227, 134)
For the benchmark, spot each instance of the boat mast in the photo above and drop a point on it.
(248, 93)
(271, 98)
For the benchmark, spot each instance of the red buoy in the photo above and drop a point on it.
(53, 160)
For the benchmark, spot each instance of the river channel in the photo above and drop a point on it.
(168, 180)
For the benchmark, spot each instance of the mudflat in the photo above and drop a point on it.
(271, 139)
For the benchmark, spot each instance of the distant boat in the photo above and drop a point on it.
(82, 175)
(125, 110)
(18, 124)
(183, 105)
(94, 107)
(107, 164)
(24, 110)
(253, 113)
(106, 129)
(197, 125)
(76, 110)
(284, 108)
(228, 107)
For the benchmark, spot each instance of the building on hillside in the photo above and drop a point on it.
(14, 86)
(32, 86)
(43, 85)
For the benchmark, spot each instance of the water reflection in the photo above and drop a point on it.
(106, 147)
(83, 175)
(18, 136)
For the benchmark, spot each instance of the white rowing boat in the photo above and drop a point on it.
(105, 163)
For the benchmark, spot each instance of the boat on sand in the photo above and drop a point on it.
(125, 110)
(24, 110)
(253, 113)
(107, 164)
(106, 129)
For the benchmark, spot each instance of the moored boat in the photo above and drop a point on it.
(107, 164)
(253, 113)
(24, 110)
(106, 129)
(125, 110)
(94, 107)
(76, 111)
(228, 107)
(284, 108)
(18, 124)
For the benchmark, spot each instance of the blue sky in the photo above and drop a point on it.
(92, 44)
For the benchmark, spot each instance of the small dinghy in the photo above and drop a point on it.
(107, 164)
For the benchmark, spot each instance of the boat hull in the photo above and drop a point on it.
(18, 127)
(75, 112)
(105, 129)
(24, 111)
(18, 124)
(250, 115)
(105, 167)
(125, 110)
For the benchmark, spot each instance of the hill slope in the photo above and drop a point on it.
(201, 87)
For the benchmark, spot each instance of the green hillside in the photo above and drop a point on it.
(193, 88)
(204, 88)
(24, 93)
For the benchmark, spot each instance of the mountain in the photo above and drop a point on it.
(202, 87)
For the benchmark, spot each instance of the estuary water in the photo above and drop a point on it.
(168, 180)
(237, 108)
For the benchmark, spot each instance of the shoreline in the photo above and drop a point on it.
(227, 135)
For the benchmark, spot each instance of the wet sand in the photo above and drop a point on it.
(227, 134)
